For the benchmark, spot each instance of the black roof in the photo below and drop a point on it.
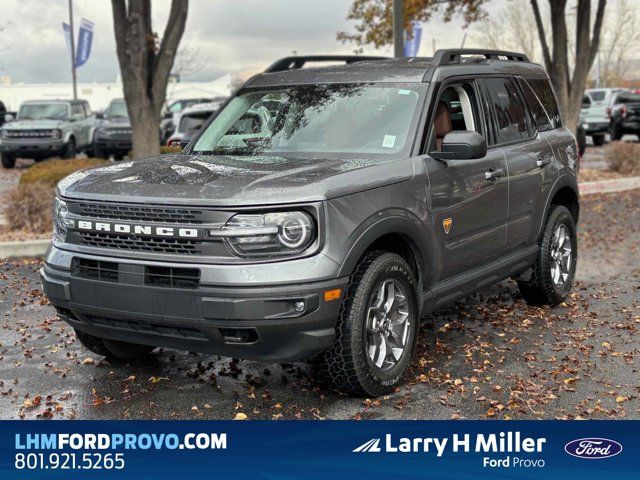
(289, 71)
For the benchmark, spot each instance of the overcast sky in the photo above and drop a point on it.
(231, 35)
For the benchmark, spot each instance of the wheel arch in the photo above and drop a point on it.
(564, 192)
(397, 233)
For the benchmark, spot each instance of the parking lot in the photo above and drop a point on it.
(487, 356)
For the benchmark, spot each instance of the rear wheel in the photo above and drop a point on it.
(8, 161)
(598, 140)
(616, 133)
(555, 268)
(377, 328)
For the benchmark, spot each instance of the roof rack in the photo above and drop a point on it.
(294, 63)
(453, 56)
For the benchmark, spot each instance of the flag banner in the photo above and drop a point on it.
(66, 29)
(412, 45)
(318, 449)
(85, 40)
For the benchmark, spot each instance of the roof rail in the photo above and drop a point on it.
(452, 56)
(293, 63)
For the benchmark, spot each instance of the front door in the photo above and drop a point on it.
(469, 198)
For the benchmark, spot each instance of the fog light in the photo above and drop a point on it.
(298, 307)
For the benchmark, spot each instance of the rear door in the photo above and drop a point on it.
(469, 198)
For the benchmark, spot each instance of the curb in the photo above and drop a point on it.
(609, 186)
(28, 248)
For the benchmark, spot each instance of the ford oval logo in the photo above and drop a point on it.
(593, 448)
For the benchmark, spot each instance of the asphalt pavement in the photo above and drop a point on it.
(487, 356)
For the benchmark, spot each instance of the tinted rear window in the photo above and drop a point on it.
(598, 96)
(544, 92)
(628, 98)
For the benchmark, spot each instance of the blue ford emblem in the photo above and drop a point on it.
(593, 448)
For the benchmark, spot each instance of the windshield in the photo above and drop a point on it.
(40, 111)
(315, 119)
(597, 95)
(117, 108)
(193, 121)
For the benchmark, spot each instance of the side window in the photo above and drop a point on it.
(76, 109)
(87, 110)
(544, 92)
(539, 114)
(456, 109)
(509, 111)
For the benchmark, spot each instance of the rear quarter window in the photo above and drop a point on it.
(544, 92)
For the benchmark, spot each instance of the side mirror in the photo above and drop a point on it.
(99, 115)
(461, 145)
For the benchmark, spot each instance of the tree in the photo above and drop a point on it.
(568, 73)
(620, 40)
(145, 64)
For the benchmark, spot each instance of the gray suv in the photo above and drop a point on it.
(380, 191)
(47, 128)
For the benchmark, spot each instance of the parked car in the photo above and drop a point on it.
(596, 113)
(170, 117)
(382, 191)
(191, 119)
(113, 133)
(47, 128)
(625, 115)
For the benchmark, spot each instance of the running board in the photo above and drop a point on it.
(450, 290)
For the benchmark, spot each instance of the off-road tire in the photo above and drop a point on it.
(598, 140)
(540, 289)
(346, 364)
(70, 149)
(8, 161)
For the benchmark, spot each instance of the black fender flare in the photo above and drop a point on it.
(563, 181)
(394, 221)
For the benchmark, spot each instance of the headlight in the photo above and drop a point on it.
(60, 220)
(56, 133)
(268, 235)
(4, 134)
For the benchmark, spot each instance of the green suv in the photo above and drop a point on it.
(47, 128)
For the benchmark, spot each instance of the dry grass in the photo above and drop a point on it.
(50, 172)
(170, 149)
(624, 158)
(28, 208)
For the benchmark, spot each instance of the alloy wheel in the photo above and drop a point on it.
(561, 255)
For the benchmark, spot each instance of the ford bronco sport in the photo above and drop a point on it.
(381, 191)
(46, 128)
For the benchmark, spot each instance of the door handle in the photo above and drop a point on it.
(494, 174)
(543, 161)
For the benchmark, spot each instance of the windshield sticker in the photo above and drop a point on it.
(389, 141)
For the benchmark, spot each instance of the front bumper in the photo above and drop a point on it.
(114, 144)
(591, 128)
(32, 147)
(257, 322)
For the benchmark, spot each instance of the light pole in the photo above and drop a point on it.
(73, 51)
(398, 29)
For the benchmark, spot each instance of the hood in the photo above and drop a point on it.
(43, 124)
(232, 181)
(115, 122)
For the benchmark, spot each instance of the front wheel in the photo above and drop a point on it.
(70, 149)
(377, 328)
(8, 161)
(555, 268)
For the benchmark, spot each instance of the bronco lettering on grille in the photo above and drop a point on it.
(138, 229)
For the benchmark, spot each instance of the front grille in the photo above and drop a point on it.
(140, 213)
(95, 269)
(146, 244)
(29, 133)
(172, 277)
